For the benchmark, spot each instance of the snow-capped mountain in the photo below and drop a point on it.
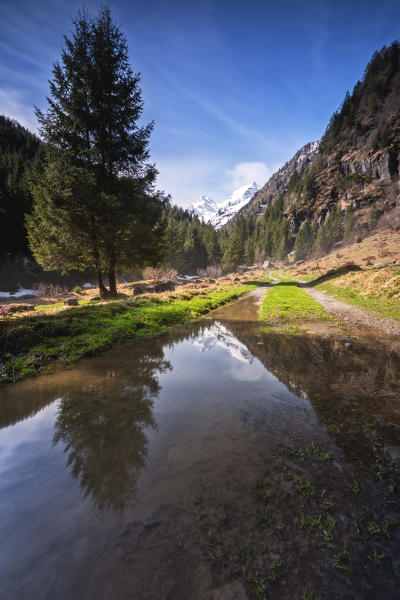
(205, 209)
(229, 207)
(219, 214)
(218, 335)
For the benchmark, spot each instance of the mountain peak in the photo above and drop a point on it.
(205, 208)
(219, 214)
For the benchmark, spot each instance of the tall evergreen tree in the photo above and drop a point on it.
(330, 232)
(96, 191)
(305, 240)
(195, 250)
(234, 251)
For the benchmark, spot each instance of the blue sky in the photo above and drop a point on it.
(235, 88)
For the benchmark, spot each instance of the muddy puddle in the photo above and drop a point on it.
(216, 461)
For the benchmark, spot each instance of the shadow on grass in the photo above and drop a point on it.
(334, 273)
(257, 283)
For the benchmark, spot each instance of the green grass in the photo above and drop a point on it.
(29, 343)
(287, 304)
(58, 305)
(49, 306)
(380, 305)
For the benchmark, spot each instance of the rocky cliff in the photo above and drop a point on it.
(278, 183)
(356, 163)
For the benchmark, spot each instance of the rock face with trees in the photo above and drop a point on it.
(344, 184)
(94, 201)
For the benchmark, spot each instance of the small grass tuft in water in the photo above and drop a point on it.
(258, 585)
(355, 487)
(341, 558)
(309, 595)
(273, 569)
(306, 488)
(376, 557)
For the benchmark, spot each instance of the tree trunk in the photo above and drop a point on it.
(112, 282)
(102, 288)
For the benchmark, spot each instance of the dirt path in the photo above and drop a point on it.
(351, 314)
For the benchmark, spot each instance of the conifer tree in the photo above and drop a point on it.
(305, 240)
(330, 232)
(94, 202)
(194, 248)
(234, 251)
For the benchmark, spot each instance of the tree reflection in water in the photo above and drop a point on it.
(103, 427)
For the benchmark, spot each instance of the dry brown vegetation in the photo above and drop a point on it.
(378, 248)
(182, 291)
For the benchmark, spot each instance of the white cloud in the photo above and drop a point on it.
(186, 179)
(246, 172)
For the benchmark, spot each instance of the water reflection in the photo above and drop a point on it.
(354, 387)
(199, 414)
(104, 431)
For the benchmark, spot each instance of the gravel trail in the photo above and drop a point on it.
(353, 315)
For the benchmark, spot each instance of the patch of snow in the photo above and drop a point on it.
(87, 285)
(187, 277)
(20, 292)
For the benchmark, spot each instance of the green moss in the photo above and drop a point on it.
(29, 343)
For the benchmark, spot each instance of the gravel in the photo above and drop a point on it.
(349, 313)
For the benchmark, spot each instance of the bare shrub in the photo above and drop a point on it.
(49, 289)
(210, 271)
(159, 273)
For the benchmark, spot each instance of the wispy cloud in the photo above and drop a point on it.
(15, 106)
(213, 110)
(26, 57)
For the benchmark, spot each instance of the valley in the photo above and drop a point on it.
(200, 400)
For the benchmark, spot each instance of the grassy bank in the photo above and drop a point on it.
(287, 306)
(376, 290)
(30, 343)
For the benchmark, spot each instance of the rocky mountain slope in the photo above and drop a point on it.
(349, 181)
(219, 214)
(279, 181)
